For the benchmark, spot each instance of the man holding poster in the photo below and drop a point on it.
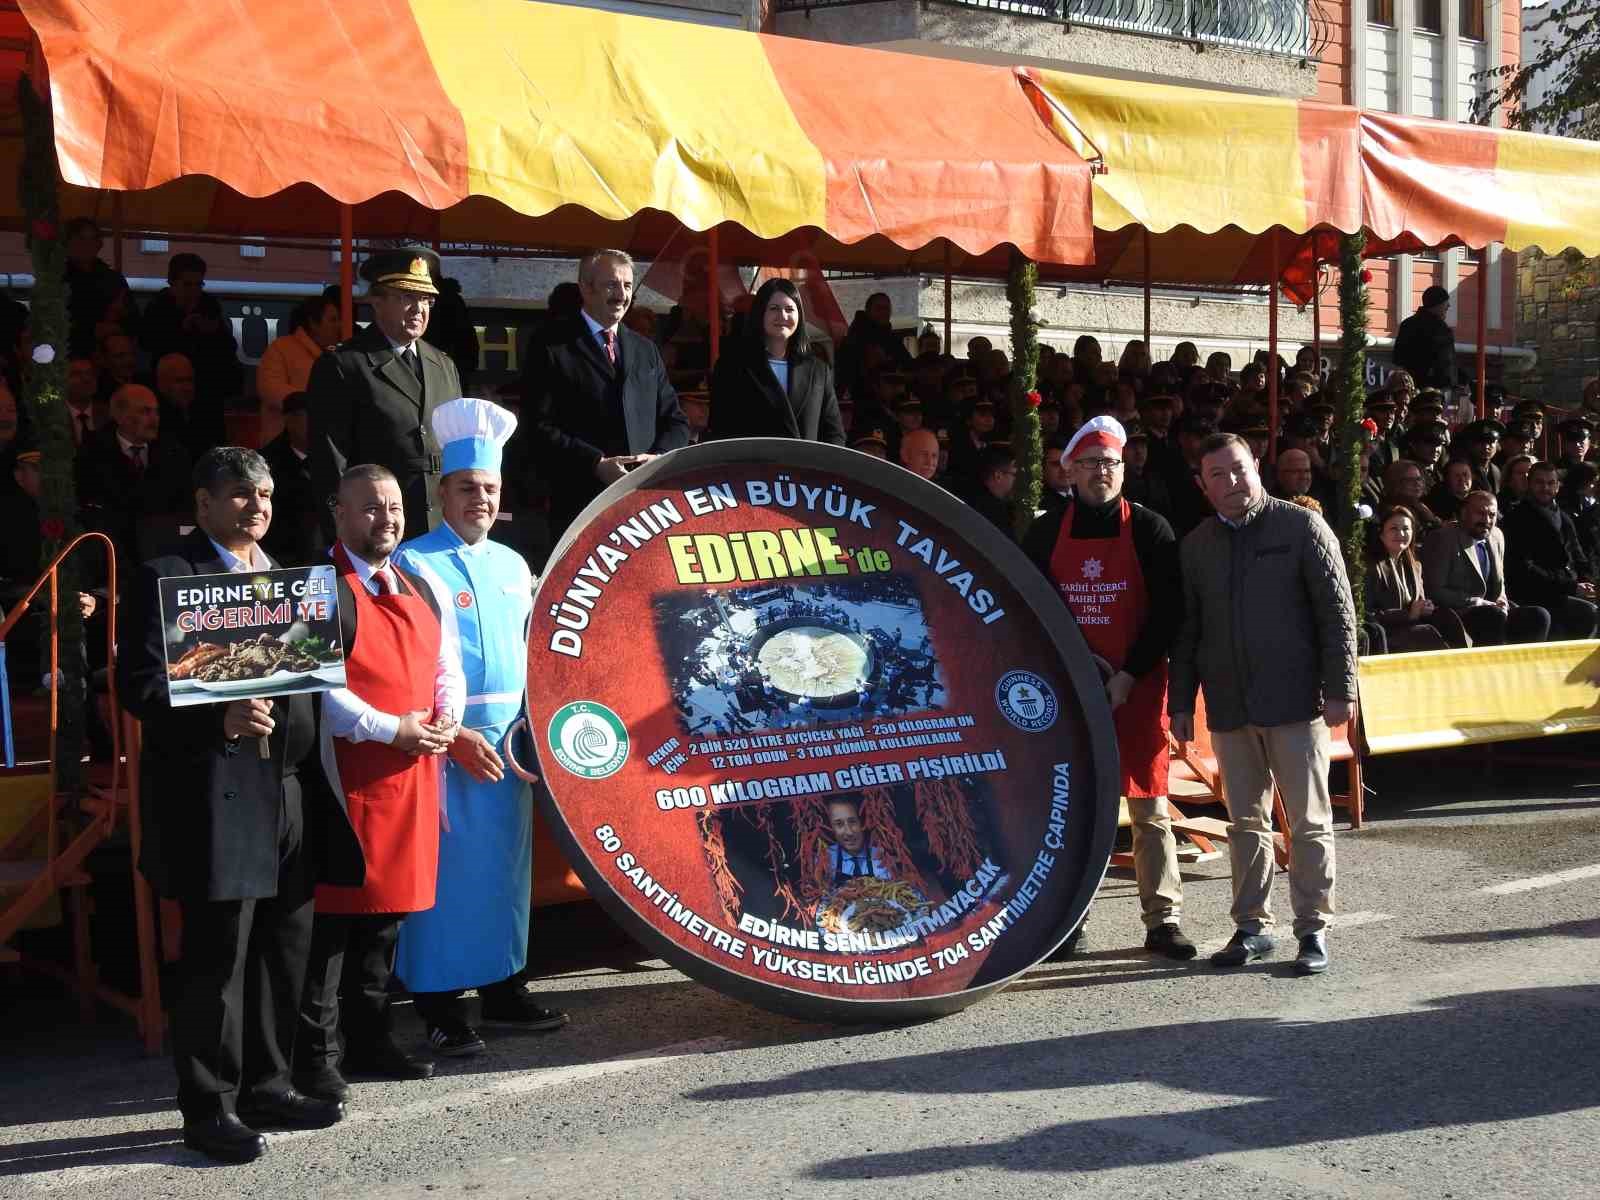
(476, 934)
(238, 826)
(381, 736)
(1116, 565)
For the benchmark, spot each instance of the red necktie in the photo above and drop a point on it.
(384, 585)
(136, 456)
(609, 337)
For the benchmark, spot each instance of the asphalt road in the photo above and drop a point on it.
(1450, 1052)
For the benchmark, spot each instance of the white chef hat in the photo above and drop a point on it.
(1101, 433)
(473, 434)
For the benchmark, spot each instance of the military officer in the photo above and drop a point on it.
(371, 397)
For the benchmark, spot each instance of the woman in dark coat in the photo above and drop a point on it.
(1394, 592)
(767, 382)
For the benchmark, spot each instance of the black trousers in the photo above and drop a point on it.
(1572, 618)
(438, 1008)
(1489, 625)
(346, 1004)
(239, 983)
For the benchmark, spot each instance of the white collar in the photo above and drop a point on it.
(300, 454)
(401, 347)
(128, 447)
(235, 564)
(595, 328)
(364, 570)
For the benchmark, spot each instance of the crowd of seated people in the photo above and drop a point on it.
(1474, 537)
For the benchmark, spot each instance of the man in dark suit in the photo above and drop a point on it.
(596, 394)
(182, 319)
(133, 484)
(371, 397)
(238, 826)
(1545, 562)
(1425, 345)
(1464, 569)
(295, 538)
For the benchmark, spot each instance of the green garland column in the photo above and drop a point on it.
(1026, 446)
(39, 187)
(1350, 399)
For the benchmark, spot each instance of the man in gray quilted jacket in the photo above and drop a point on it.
(1269, 632)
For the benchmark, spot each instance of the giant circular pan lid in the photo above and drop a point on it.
(818, 734)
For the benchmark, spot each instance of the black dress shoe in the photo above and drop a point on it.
(521, 1011)
(385, 1060)
(1242, 948)
(290, 1110)
(1169, 942)
(322, 1083)
(1077, 942)
(225, 1138)
(1313, 956)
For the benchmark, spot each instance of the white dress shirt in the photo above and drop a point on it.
(346, 715)
(597, 331)
(237, 565)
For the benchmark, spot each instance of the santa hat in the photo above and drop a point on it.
(472, 434)
(1101, 433)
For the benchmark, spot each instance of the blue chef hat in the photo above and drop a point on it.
(473, 434)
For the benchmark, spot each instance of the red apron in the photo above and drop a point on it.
(393, 796)
(1103, 584)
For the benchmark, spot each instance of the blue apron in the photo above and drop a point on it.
(477, 931)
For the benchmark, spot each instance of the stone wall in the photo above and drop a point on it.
(1558, 317)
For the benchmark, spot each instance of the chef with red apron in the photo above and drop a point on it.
(383, 735)
(1116, 565)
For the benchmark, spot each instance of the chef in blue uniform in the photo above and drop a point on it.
(476, 934)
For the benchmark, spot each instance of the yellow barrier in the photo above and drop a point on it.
(1486, 694)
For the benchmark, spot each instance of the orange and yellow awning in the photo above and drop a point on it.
(551, 126)
(537, 108)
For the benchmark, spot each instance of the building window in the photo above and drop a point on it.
(252, 248)
(1472, 20)
(1380, 12)
(152, 245)
(1430, 15)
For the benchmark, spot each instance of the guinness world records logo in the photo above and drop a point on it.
(588, 739)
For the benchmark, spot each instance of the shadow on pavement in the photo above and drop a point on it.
(1459, 1062)
(1588, 927)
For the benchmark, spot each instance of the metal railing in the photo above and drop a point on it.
(1287, 27)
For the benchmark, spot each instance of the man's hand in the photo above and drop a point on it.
(477, 757)
(415, 736)
(1585, 589)
(1335, 712)
(1503, 604)
(609, 470)
(1182, 727)
(1118, 687)
(86, 605)
(247, 718)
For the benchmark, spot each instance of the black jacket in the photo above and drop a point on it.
(367, 407)
(140, 513)
(1426, 346)
(214, 356)
(295, 536)
(746, 400)
(1543, 564)
(579, 408)
(1156, 547)
(211, 810)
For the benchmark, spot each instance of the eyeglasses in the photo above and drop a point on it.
(1099, 466)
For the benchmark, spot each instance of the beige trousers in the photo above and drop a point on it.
(1155, 861)
(1296, 756)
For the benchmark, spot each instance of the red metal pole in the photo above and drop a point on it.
(347, 308)
(1149, 352)
(1316, 317)
(946, 347)
(1272, 353)
(116, 230)
(1483, 326)
(713, 305)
